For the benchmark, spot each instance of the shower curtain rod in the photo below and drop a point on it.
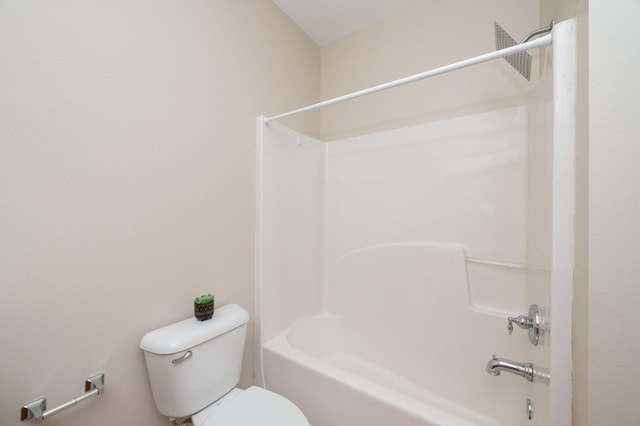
(533, 44)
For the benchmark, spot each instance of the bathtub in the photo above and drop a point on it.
(319, 364)
(386, 269)
(403, 345)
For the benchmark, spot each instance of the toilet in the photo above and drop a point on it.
(194, 366)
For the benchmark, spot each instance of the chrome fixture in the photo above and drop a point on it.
(529, 409)
(186, 356)
(496, 365)
(538, 32)
(37, 410)
(532, 322)
(521, 61)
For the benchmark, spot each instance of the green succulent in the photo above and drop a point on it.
(205, 298)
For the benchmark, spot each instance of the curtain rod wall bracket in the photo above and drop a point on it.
(538, 32)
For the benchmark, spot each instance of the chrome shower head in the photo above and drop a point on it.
(520, 61)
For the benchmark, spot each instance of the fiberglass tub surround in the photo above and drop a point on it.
(387, 265)
(403, 308)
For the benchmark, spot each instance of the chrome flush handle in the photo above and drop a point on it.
(184, 357)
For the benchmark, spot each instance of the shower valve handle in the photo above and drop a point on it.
(521, 321)
(530, 322)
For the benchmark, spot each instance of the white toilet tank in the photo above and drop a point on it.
(193, 363)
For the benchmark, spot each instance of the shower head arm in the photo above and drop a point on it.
(538, 32)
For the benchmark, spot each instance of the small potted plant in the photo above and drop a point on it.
(203, 307)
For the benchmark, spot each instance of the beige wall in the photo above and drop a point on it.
(425, 36)
(127, 182)
(559, 10)
(614, 209)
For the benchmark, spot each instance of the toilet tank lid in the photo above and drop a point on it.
(188, 333)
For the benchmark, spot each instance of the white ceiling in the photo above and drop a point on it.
(326, 21)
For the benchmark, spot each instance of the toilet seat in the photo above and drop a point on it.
(252, 407)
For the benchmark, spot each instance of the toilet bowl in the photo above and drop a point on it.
(194, 366)
(252, 407)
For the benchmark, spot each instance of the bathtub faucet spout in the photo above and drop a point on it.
(526, 370)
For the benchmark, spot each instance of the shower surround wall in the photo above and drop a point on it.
(412, 300)
(429, 236)
(460, 182)
(391, 237)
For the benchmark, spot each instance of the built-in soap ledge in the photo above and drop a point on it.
(498, 287)
(496, 290)
(37, 410)
(505, 263)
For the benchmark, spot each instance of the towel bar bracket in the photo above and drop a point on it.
(34, 410)
(37, 410)
(94, 382)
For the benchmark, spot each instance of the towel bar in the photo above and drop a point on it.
(37, 410)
